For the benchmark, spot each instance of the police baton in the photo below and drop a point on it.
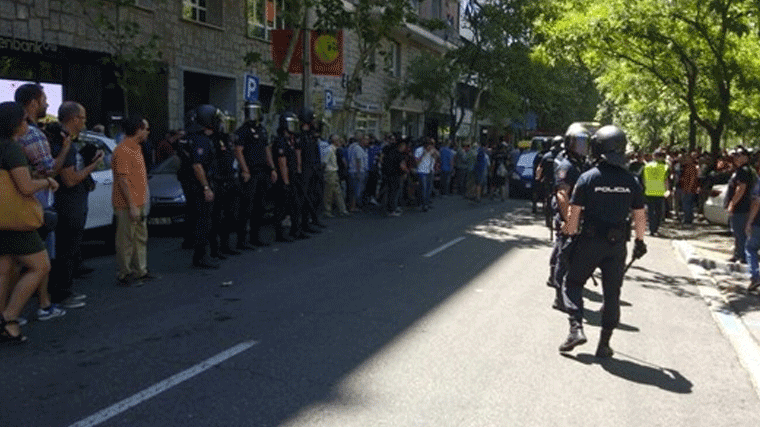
(629, 265)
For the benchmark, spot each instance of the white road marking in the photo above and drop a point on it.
(444, 247)
(161, 387)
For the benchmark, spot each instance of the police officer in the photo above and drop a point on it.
(288, 172)
(545, 176)
(253, 152)
(198, 172)
(310, 182)
(568, 166)
(226, 189)
(605, 196)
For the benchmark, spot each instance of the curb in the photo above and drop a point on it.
(730, 323)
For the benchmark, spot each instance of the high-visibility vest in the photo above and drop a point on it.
(655, 175)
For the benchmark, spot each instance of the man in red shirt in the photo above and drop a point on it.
(130, 202)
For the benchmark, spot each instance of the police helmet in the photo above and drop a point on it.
(576, 140)
(253, 111)
(288, 122)
(205, 115)
(306, 115)
(557, 141)
(609, 143)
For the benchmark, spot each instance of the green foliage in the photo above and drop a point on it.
(134, 54)
(689, 60)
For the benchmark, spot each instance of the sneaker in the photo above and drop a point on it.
(328, 215)
(48, 313)
(394, 213)
(72, 303)
(22, 321)
(373, 201)
(78, 297)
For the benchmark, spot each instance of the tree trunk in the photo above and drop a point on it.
(692, 132)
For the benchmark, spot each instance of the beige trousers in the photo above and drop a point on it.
(131, 244)
(333, 193)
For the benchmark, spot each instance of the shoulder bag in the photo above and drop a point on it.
(18, 212)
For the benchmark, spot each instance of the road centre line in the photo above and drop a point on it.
(444, 247)
(162, 386)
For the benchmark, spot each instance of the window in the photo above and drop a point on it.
(264, 16)
(195, 10)
(206, 11)
(394, 60)
(367, 123)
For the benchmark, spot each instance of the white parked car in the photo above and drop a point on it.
(713, 208)
(100, 209)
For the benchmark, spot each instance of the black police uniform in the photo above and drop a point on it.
(311, 181)
(289, 198)
(547, 183)
(186, 177)
(253, 138)
(202, 151)
(607, 194)
(567, 170)
(226, 196)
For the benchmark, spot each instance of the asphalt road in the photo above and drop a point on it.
(431, 319)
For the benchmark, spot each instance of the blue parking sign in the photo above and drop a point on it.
(251, 90)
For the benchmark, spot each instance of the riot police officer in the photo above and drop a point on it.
(197, 172)
(288, 172)
(568, 166)
(226, 191)
(545, 177)
(257, 172)
(605, 196)
(310, 182)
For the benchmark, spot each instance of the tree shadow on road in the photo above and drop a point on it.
(638, 371)
(680, 286)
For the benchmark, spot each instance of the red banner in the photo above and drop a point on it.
(280, 41)
(327, 53)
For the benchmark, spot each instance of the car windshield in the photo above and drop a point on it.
(169, 166)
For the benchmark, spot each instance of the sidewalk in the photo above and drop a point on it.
(710, 246)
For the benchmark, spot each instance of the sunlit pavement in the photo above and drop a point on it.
(439, 318)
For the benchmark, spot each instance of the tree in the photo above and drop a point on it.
(697, 50)
(133, 54)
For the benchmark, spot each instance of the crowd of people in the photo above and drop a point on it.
(242, 187)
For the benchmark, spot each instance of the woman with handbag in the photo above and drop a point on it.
(20, 216)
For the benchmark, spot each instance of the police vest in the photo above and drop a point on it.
(654, 176)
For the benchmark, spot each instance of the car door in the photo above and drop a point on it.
(100, 209)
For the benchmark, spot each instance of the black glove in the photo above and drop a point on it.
(639, 249)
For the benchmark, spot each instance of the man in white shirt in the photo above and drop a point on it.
(425, 157)
(357, 169)
(333, 192)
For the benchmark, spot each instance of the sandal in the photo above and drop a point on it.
(6, 336)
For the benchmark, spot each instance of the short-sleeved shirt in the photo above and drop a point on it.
(607, 194)
(566, 172)
(71, 202)
(372, 154)
(482, 161)
(16, 242)
(253, 139)
(37, 150)
(426, 161)
(357, 152)
(283, 148)
(446, 156)
(202, 152)
(742, 175)
(129, 163)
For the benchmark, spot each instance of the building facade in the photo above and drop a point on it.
(203, 45)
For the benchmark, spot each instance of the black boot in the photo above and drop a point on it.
(603, 350)
(574, 338)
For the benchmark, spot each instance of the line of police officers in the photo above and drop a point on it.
(229, 178)
(593, 196)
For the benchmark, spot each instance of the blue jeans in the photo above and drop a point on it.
(358, 180)
(737, 221)
(750, 251)
(687, 204)
(426, 188)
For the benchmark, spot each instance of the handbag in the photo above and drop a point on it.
(18, 212)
